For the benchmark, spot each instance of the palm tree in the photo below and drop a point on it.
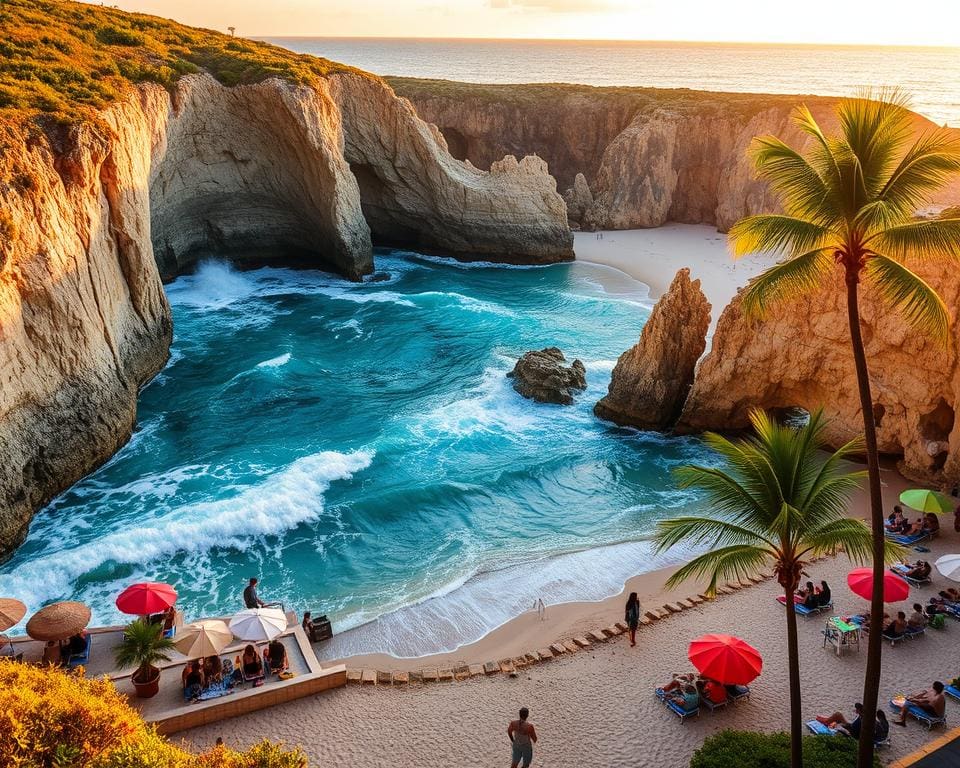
(849, 203)
(143, 645)
(778, 501)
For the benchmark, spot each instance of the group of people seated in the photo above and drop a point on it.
(898, 523)
(836, 721)
(919, 571)
(214, 675)
(814, 597)
(688, 690)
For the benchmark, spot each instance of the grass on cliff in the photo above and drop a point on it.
(69, 60)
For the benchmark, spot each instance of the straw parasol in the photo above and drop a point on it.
(11, 612)
(203, 638)
(258, 625)
(58, 621)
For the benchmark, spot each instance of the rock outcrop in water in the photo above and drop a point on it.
(647, 156)
(651, 380)
(94, 215)
(543, 376)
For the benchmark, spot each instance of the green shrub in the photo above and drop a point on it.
(746, 749)
(111, 35)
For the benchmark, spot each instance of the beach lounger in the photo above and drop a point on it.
(894, 640)
(908, 540)
(801, 609)
(901, 571)
(738, 693)
(713, 706)
(83, 657)
(952, 691)
(911, 634)
(921, 715)
(679, 711)
(819, 729)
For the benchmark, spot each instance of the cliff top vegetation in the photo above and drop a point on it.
(637, 97)
(68, 59)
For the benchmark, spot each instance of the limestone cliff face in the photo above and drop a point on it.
(648, 156)
(92, 217)
(651, 380)
(800, 357)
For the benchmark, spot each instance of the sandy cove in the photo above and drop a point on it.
(596, 707)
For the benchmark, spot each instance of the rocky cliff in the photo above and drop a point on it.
(95, 213)
(801, 359)
(647, 156)
(651, 380)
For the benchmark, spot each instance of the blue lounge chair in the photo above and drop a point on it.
(76, 659)
(894, 639)
(922, 715)
(738, 693)
(901, 571)
(908, 540)
(674, 707)
(801, 609)
(952, 691)
(913, 633)
(819, 729)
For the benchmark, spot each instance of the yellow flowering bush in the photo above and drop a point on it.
(58, 719)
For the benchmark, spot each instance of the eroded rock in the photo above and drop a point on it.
(650, 381)
(543, 376)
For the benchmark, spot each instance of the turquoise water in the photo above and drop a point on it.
(359, 448)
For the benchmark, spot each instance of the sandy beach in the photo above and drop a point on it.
(653, 256)
(597, 707)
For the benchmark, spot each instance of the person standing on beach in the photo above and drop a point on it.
(523, 736)
(631, 615)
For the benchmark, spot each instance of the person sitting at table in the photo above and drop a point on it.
(75, 646)
(930, 701)
(837, 720)
(212, 670)
(193, 680)
(251, 664)
(275, 656)
(896, 627)
(918, 619)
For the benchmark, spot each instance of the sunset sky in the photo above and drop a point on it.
(937, 22)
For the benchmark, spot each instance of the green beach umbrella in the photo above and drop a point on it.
(923, 500)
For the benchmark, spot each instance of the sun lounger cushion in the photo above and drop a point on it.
(818, 728)
(952, 691)
(675, 707)
(907, 540)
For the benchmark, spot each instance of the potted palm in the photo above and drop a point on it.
(143, 645)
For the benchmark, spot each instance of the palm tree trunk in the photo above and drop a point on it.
(871, 682)
(793, 663)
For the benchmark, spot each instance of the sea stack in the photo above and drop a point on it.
(542, 376)
(651, 380)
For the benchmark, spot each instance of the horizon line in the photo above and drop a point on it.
(615, 41)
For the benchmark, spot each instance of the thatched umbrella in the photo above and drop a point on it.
(11, 612)
(58, 621)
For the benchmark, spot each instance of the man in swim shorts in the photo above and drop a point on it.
(523, 736)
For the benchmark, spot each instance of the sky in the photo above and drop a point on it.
(858, 22)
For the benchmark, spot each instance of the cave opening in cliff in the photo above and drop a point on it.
(457, 144)
(790, 416)
(389, 224)
(935, 428)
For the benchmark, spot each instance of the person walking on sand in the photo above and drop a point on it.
(523, 736)
(631, 615)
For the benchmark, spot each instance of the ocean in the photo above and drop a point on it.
(359, 448)
(931, 76)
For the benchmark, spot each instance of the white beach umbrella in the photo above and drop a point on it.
(203, 638)
(949, 566)
(258, 625)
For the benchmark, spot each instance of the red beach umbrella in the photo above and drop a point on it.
(147, 597)
(895, 589)
(726, 659)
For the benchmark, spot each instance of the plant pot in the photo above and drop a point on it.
(149, 685)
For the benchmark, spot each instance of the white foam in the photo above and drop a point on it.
(469, 608)
(275, 362)
(282, 501)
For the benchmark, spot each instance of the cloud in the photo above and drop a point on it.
(561, 6)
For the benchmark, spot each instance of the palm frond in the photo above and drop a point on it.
(711, 531)
(925, 167)
(910, 295)
(875, 129)
(785, 235)
(937, 238)
(853, 536)
(787, 280)
(802, 190)
(725, 563)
